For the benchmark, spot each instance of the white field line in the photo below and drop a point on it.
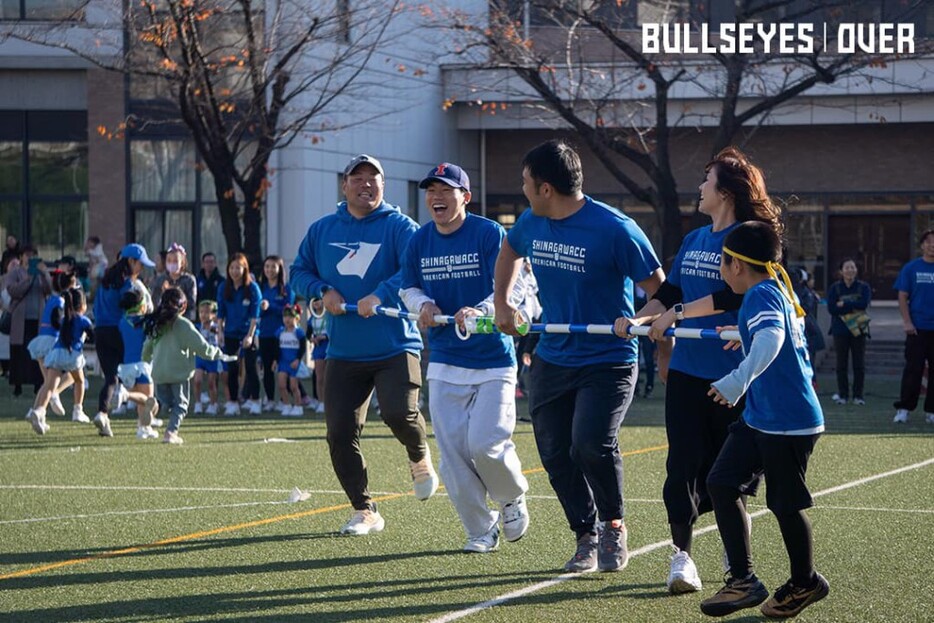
(180, 489)
(873, 509)
(533, 588)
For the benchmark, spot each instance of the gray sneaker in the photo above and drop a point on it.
(585, 558)
(613, 554)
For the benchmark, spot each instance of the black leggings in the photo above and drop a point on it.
(248, 359)
(109, 345)
(267, 351)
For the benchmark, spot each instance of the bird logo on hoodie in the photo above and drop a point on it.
(358, 259)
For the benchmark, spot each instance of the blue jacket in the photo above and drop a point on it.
(857, 296)
(238, 312)
(107, 312)
(359, 257)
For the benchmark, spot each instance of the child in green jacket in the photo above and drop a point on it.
(172, 343)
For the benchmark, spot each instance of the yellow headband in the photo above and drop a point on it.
(774, 269)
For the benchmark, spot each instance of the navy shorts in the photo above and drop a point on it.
(749, 454)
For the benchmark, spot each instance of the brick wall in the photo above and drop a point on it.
(107, 212)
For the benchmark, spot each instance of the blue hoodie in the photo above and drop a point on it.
(359, 257)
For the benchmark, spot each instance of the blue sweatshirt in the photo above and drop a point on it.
(359, 257)
(854, 297)
(238, 311)
(270, 319)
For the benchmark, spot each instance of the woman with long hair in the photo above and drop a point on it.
(117, 280)
(733, 192)
(238, 305)
(277, 294)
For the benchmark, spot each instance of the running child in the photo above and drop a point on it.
(39, 346)
(207, 371)
(66, 358)
(172, 343)
(291, 352)
(776, 434)
(134, 373)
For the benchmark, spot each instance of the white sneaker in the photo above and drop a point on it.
(211, 409)
(282, 407)
(424, 478)
(267, 404)
(157, 422)
(146, 432)
(726, 559)
(838, 399)
(204, 397)
(102, 422)
(515, 516)
(929, 418)
(78, 415)
(296, 411)
(484, 543)
(364, 522)
(36, 419)
(199, 408)
(319, 408)
(231, 408)
(254, 407)
(119, 398)
(312, 404)
(901, 416)
(55, 403)
(171, 437)
(682, 577)
(859, 402)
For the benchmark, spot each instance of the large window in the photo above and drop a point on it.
(44, 180)
(45, 10)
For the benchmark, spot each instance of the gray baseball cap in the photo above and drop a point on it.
(356, 161)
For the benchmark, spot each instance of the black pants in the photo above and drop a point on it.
(576, 415)
(268, 346)
(696, 428)
(918, 349)
(109, 345)
(844, 345)
(25, 370)
(248, 359)
(348, 385)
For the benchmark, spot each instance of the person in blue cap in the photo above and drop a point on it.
(117, 280)
(448, 269)
(355, 254)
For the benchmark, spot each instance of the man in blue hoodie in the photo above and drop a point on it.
(356, 255)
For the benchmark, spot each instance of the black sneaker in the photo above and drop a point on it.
(789, 600)
(585, 558)
(735, 595)
(612, 553)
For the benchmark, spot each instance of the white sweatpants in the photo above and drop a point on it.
(473, 427)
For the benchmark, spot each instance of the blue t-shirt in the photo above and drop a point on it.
(917, 279)
(585, 265)
(238, 311)
(107, 312)
(133, 334)
(270, 319)
(781, 400)
(45, 324)
(696, 270)
(80, 326)
(290, 345)
(456, 270)
(359, 257)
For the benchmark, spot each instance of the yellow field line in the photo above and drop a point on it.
(240, 526)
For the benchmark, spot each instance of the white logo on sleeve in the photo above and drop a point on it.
(358, 259)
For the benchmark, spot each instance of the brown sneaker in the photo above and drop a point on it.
(424, 478)
(735, 595)
(789, 600)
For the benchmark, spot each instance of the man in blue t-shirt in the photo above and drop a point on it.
(357, 253)
(586, 257)
(448, 269)
(915, 285)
